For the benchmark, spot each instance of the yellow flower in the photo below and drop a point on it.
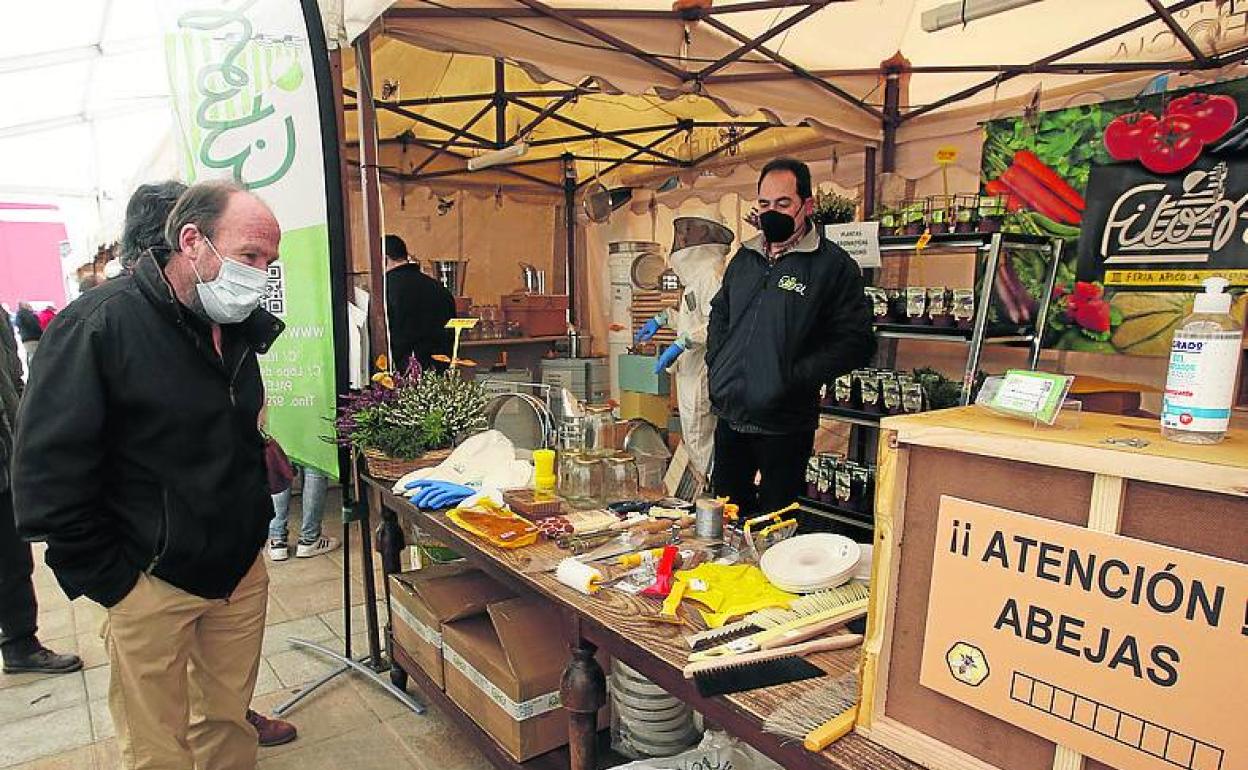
(384, 379)
(382, 363)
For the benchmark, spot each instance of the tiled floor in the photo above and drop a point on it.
(62, 722)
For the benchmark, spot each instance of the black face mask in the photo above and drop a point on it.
(777, 226)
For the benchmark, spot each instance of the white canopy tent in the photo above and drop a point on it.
(87, 110)
(86, 107)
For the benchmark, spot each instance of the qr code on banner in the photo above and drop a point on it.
(275, 290)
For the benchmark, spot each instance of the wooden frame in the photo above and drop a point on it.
(1221, 469)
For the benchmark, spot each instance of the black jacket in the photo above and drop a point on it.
(28, 327)
(137, 446)
(417, 307)
(10, 393)
(780, 331)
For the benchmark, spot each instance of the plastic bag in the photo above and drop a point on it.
(717, 751)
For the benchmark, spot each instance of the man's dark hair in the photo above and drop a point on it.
(144, 228)
(795, 167)
(201, 205)
(394, 248)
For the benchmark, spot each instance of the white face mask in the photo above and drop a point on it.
(234, 293)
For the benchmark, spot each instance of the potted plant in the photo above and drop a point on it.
(833, 209)
(913, 218)
(992, 210)
(965, 213)
(888, 220)
(938, 214)
(411, 419)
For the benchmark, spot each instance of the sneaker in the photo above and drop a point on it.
(278, 550)
(42, 661)
(323, 544)
(271, 732)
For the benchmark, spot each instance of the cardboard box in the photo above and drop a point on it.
(422, 600)
(653, 409)
(637, 374)
(504, 668)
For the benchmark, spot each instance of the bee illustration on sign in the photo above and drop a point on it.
(967, 664)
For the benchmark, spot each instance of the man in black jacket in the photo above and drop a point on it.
(417, 307)
(19, 647)
(139, 462)
(790, 316)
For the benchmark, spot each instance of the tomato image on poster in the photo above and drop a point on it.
(1131, 264)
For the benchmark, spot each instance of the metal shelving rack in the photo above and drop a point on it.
(991, 246)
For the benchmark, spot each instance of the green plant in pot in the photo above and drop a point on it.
(408, 420)
(913, 218)
(888, 220)
(833, 209)
(992, 211)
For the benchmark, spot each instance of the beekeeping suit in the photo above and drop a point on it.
(700, 246)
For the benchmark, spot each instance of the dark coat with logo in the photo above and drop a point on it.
(137, 447)
(780, 330)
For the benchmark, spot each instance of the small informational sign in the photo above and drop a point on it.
(1125, 651)
(861, 240)
(462, 323)
(946, 155)
(1031, 395)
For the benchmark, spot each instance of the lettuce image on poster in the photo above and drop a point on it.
(1045, 164)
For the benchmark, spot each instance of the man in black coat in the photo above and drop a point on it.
(417, 308)
(19, 647)
(138, 460)
(790, 316)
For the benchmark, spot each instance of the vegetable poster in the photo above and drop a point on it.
(1126, 651)
(1150, 196)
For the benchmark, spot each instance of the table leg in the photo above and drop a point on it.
(390, 543)
(584, 691)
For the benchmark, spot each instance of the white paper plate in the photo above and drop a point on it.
(808, 563)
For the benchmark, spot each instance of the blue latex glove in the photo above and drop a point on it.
(651, 328)
(670, 354)
(430, 494)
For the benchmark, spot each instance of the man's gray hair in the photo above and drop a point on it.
(201, 205)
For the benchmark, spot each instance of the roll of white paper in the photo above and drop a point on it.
(578, 575)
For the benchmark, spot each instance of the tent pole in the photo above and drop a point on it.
(868, 184)
(892, 119)
(569, 224)
(370, 184)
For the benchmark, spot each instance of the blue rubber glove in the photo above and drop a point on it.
(670, 354)
(651, 328)
(430, 494)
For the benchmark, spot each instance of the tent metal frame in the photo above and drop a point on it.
(581, 20)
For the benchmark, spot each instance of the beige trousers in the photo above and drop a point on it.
(183, 670)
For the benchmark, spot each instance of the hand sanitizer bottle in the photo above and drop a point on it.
(1200, 384)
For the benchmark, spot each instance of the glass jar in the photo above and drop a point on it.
(599, 427)
(584, 485)
(620, 478)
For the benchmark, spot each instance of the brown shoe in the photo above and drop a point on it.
(272, 732)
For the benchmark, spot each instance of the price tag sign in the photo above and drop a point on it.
(462, 323)
(861, 240)
(1031, 395)
(946, 155)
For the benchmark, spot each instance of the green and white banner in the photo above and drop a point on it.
(245, 96)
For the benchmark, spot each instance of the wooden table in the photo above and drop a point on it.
(615, 622)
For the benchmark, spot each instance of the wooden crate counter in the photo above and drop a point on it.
(614, 622)
(1067, 599)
